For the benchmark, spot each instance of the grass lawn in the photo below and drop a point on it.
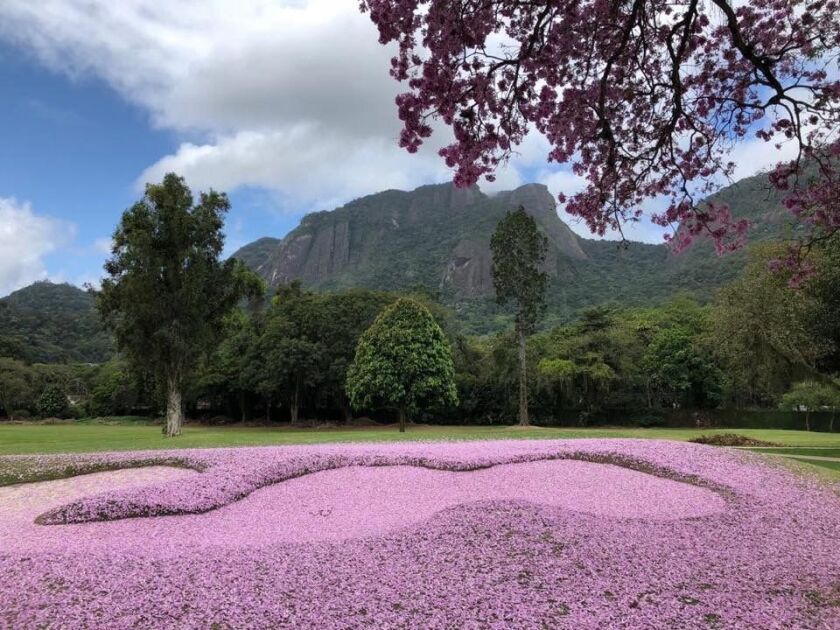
(828, 471)
(89, 437)
(824, 451)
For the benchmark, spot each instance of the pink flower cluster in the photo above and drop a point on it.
(578, 534)
(643, 98)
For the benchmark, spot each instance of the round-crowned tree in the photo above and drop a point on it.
(52, 402)
(403, 361)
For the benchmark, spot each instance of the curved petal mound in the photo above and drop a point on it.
(577, 534)
(228, 476)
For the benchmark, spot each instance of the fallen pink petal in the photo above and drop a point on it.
(575, 534)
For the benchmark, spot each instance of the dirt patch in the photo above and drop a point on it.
(730, 439)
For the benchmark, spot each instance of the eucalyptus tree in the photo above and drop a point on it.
(167, 290)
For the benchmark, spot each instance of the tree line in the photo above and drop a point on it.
(199, 334)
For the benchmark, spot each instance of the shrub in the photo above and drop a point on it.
(52, 402)
(730, 439)
(650, 421)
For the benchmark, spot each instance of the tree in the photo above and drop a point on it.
(824, 287)
(403, 361)
(229, 369)
(644, 97)
(52, 402)
(519, 251)
(765, 332)
(812, 396)
(15, 386)
(167, 290)
(290, 348)
(679, 372)
(115, 389)
(342, 318)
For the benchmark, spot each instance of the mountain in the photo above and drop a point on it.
(438, 237)
(256, 253)
(435, 236)
(52, 323)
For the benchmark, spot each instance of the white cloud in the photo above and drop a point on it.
(292, 96)
(755, 155)
(103, 245)
(312, 166)
(25, 238)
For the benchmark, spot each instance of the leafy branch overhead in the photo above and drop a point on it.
(644, 98)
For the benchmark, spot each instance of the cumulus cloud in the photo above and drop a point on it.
(311, 165)
(25, 238)
(292, 96)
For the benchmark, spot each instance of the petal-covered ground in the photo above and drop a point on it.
(577, 534)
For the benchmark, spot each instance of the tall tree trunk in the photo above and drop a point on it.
(174, 406)
(831, 422)
(808, 420)
(295, 406)
(345, 409)
(268, 408)
(523, 381)
(402, 419)
(243, 410)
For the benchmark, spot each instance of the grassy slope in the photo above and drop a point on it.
(15, 439)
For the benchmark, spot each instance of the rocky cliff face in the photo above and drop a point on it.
(436, 236)
(439, 237)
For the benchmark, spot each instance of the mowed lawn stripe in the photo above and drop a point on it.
(88, 437)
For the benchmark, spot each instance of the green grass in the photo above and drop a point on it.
(835, 466)
(88, 437)
(828, 471)
(818, 452)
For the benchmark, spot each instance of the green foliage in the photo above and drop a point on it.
(810, 396)
(16, 387)
(167, 291)
(116, 389)
(679, 374)
(825, 289)
(403, 361)
(768, 334)
(52, 403)
(519, 251)
(52, 323)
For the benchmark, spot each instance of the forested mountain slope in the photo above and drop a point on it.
(438, 237)
(52, 323)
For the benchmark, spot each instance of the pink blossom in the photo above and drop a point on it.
(578, 534)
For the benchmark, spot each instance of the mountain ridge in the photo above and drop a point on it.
(437, 236)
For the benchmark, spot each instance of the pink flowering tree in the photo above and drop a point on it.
(645, 98)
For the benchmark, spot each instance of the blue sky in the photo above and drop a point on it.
(73, 149)
(285, 104)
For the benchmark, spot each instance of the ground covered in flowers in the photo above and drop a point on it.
(577, 534)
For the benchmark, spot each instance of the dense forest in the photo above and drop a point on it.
(759, 345)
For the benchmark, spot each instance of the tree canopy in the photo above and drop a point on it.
(403, 361)
(519, 250)
(643, 97)
(167, 291)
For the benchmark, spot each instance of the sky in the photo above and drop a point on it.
(285, 105)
